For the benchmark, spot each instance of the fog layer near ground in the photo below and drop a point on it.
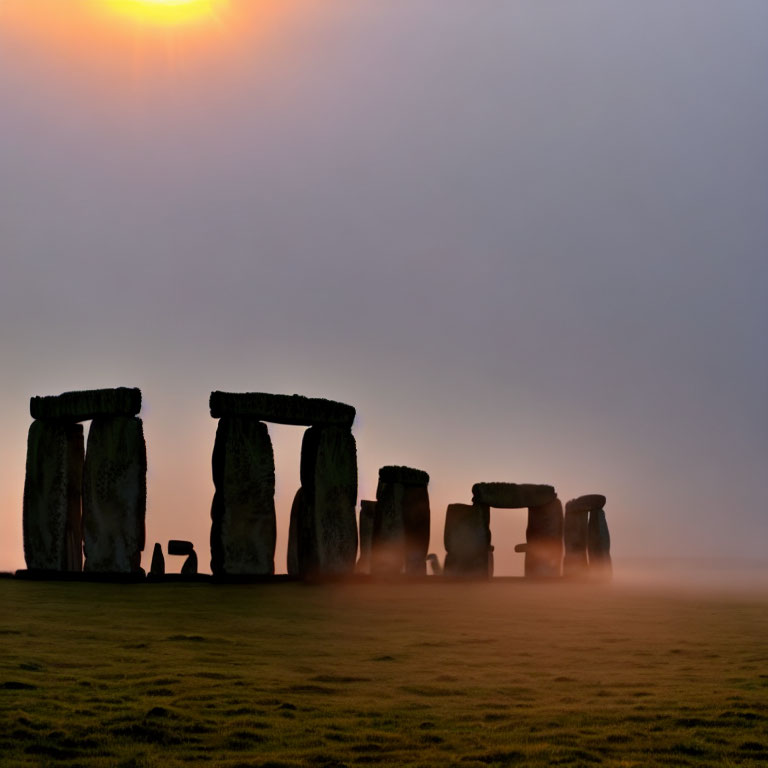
(527, 241)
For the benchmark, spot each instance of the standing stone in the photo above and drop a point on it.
(416, 523)
(575, 562)
(467, 540)
(402, 522)
(190, 565)
(52, 489)
(599, 545)
(387, 552)
(157, 568)
(544, 539)
(243, 523)
(114, 495)
(367, 520)
(327, 537)
(298, 536)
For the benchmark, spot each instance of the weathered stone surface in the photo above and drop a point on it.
(282, 409)
(367, 519)
(599, 545)
(190, 565)
(404, 476)
(401, 524)
(416, 523)
(519, 548)
(157, 568)
(114, 495)
(467, 540)
(544, 539)
(87, 404)
(585, 503)
(243, 524)
(575, 562)
(51, 517)
(328, 539)
(512, 495)
(180, 547)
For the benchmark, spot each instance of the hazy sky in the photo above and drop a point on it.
(527, 240)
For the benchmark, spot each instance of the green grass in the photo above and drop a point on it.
(424, 675)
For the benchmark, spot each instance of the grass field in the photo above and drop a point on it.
(421, 675)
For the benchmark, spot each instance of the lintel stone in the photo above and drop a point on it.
(282, 409)
(586, 503)
(512, 495)
(86, 404)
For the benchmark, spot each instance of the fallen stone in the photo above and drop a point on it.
(157, 568)
(599, 545)
(180, 547)
(87, 404)
(586, 503)
(404, 476)
(544, 540)
(243, 523)
(520, 548)
(282, 409)
(190, 565)
(467, 540)
(512, 495)
(367, 519)
(575, 562)
(328, 540)
(51, 516)
(114, 495)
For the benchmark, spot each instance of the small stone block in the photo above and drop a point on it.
(87, 404)
(282, 409)
(180, 547)
(158, 561)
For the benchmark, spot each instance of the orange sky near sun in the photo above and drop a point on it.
(111, 42)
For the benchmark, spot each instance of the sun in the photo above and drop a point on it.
(168, 12)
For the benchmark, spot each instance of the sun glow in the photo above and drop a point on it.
(168, 12)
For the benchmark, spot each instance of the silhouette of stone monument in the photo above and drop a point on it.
(544, 533)
(400, 538)
(467, 541)
(323, 528)
(599, 545)
(107, 482)
(184, 548)
(367, 521)
(575, 534)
